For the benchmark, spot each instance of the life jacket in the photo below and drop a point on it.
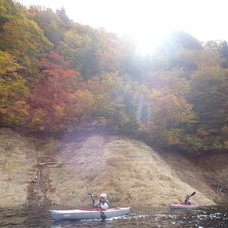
(106, 201)
(97, 204)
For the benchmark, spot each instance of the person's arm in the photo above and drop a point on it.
(96, 204)
(186, 199)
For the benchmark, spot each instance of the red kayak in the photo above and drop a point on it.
(183, 206)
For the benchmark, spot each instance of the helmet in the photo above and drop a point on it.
(103, 195)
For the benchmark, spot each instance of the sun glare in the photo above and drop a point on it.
(147, 21)
(147, 42)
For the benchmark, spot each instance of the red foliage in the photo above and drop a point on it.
(53, 91)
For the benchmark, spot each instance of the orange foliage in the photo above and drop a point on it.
(57, 98)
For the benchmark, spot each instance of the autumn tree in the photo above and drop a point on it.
(58, 98)
(208, 95)
(13, 92)
(21, 37)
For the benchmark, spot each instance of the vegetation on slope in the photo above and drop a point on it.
(56, 74)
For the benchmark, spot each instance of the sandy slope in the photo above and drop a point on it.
(62, 172)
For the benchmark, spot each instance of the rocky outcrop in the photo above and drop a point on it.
(62, 172)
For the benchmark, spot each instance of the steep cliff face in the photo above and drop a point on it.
(62, 172)
(17, 159)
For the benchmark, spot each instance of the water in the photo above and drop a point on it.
(207, 217)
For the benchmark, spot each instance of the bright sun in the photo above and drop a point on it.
(147, 42)
(147, 21)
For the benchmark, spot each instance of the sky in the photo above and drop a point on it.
(148, 21)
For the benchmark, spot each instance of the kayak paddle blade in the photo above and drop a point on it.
(90, 195)
(193, 194)
(103, 216)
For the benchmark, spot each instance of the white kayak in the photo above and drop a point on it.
(183, 206)
(89, 213)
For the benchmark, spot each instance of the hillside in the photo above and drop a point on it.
(62, 171)
(57, 75)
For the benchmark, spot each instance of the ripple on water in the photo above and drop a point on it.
(40, 217)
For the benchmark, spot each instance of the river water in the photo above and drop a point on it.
(210, 217)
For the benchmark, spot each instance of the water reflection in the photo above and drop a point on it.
(202, 218)
(214, 217)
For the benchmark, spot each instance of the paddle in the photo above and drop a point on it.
(103, 216)
(188, 197)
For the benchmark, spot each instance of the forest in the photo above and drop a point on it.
(57, 75)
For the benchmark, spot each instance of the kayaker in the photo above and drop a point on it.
(187, 200)
(103, 203)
